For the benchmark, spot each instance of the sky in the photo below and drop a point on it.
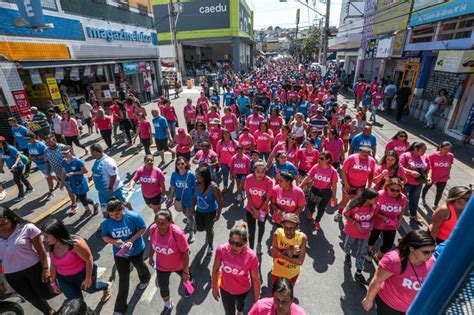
(274, 12)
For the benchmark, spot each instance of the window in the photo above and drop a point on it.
(423, 34)
(459, 28)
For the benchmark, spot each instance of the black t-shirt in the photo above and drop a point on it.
(403, 94)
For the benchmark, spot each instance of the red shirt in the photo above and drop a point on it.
(104, 123)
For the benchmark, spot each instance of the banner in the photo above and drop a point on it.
(100, 70)
(32, 12)
(74, 75)
(59, 74)
(455, 61)
(87, 71)
(130, 68)
(35, 76)
(21, 100)
(446, 10)
(391, 16)
(53, 88)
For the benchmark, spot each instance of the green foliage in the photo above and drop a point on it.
(311, 43)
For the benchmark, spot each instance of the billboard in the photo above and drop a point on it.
(455, 61)
(442, 11)
(245, 19)
(391, 16)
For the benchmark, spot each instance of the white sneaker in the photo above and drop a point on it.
(3, 194)
(238, 197)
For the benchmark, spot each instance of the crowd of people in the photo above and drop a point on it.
(279, 143)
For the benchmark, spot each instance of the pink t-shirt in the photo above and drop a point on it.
(358, 170)
(287, 200)
(399, 290)
(253, 122)
(213, 115)
(229, 121)
(144, 128)
(266, 306)
(207, 158)
(151, 181)
(247, 141)
(69, 128)
(441, 166)
(323, 178)
(377, 98)
(189, 113)
(258, 190)
(226, 150)
(275, 124)
(391, 173)
(215, 135)
(130, 110)
(264, 141)
(409, 161)
(169, 248)
(364, 215)
(307, 160)
(235, 269)
(391, 208)
(334, 147)
(396, 145)
(169, 113)
(239, 165)
(204, 102)
(104, 123)
(279, 139)
(182, 144)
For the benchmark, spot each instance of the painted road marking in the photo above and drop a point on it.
(150, 290)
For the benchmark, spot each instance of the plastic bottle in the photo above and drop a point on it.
(262, 215)
(189, 287)
(123, 251)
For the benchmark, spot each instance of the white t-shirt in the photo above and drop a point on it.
(56, 124)
(86, 110)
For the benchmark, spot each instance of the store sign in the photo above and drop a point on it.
(420, 4)
(130, 68)
(455, 61)
(21, 100)
(398, 44)
(100, 70)
(53, 88)
(87, 71)
(123, 35)
(35, 76)
(384, 47)
(59, 74)
(32, 12)
(38, 91)
(446, 10)
(391, 16)
(74, 75)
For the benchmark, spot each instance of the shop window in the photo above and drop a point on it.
(456, 29)
(423, 34)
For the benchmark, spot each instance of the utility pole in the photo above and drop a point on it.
(173, 14)
(326, 34)
(321, 39)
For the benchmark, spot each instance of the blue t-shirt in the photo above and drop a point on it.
(37, 149)
(10, 156)
(124, 229)
(19, 134)
(316, 143)
(275, 105)
(288, 167)
(186, 182)
(78, 183)
(228, 98)
(360, 140)
(367, 99)
(243, 102)
(206, 203)
(216, 99)
(161, 124)
(303, 108)
(289, 110)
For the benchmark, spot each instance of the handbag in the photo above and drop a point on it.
(178, 204)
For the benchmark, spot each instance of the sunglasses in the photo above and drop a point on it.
(402, 136)
(395, 190)
(236, 244)
(321, 158)
(181, 164)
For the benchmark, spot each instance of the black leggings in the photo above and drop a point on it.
(107, 135)
(146, 144)
(28, 284)
(84, 200)
(252, 227)
(384, 309)
(325, 195)
(231, 302)
(20, 180)
(440, 186)
(74, 139)
(127, 126)
(388, 236)
(205, 222)
(163, 280)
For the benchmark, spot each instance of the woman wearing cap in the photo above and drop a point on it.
(230, 122)
(184, 143)
(104, 124)
(359, 215)
(389, 167)
(189, 112)
(70, 131)
(390, 208)
(287, 198)
(306, 157)
(73, 177)
(235, 269)
(10, 155)
(264, 139)
(446, 216)
(226, 149)
(417, 167)
(357, 173)
(169, 252)
(215, 132)
(399, 143)
(288, 249)
(324, 178)
(239, 167)
(152, 183)
(213, 115)
(400, 274)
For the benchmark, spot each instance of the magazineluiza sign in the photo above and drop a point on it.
(111, 35)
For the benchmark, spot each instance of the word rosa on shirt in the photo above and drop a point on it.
(286, 202)
(256, 192)
(232, 270)
(391, 208)
(361, 167)
(411, 284)
(163, 250)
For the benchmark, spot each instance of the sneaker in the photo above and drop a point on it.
(49, 196)
(29, 190)
(72, 211)
(359, 277)
(309, 215)
(337, 217)
(167, 310)
(19, 198)
(317, 226)
(209, 252)
(107, 293)
(259, 249)
(348, 260)
(143, 285)
(369, 256)
(238, 197)
(191, 239)
(416, 220)
(3, 194)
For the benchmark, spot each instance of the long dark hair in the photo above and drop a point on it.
(414, 239)
(400, 132)
(6, 213)
(58, 230)
(367, 194)
(392, 154)
(205, 173)
(415, 145)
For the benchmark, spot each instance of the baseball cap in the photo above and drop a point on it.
(291, 217)
(215, 121)
(365, 148)
(320, 109)
(181, 130)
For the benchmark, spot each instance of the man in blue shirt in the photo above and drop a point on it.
(19, 132)
(36, 150)
(228, 96)
(162, 134)
(364, 139)
(244, 104)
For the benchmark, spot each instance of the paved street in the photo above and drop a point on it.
(324, 287)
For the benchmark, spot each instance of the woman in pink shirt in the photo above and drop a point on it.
(400, 274)
(104, 124)
(399, 143)
(152, 183)
(234, 271)
(203, 101)
(213, 114)
(287, 198)
(324, 178)
(184, 144)
(390, 208)
(418, 172)
(345, 132)
(259, 188)
(144, 132)
(290, 147)
(215, 132)
(276, 121)
(169, 252)
(246, 140)
(335, 146)
(307, 157)
(226, 148)
(239, 167)
(389, 167)
(359, 216)
(170, 114)
(377, 99)
(230, 122)
(264, 138)
(281, 135)
(70, 130)
(189, 112)
(201, 114)
(72, 265)
(441, 162)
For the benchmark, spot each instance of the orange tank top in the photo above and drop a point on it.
(448, 225)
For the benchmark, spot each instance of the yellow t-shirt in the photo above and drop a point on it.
(282, 267)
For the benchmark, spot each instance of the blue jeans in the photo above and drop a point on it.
(172, 126)
(413, 193)
(71, 285)
(225, 174)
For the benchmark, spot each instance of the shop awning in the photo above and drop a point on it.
(73, 63)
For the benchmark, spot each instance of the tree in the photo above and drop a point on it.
(311, 43)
